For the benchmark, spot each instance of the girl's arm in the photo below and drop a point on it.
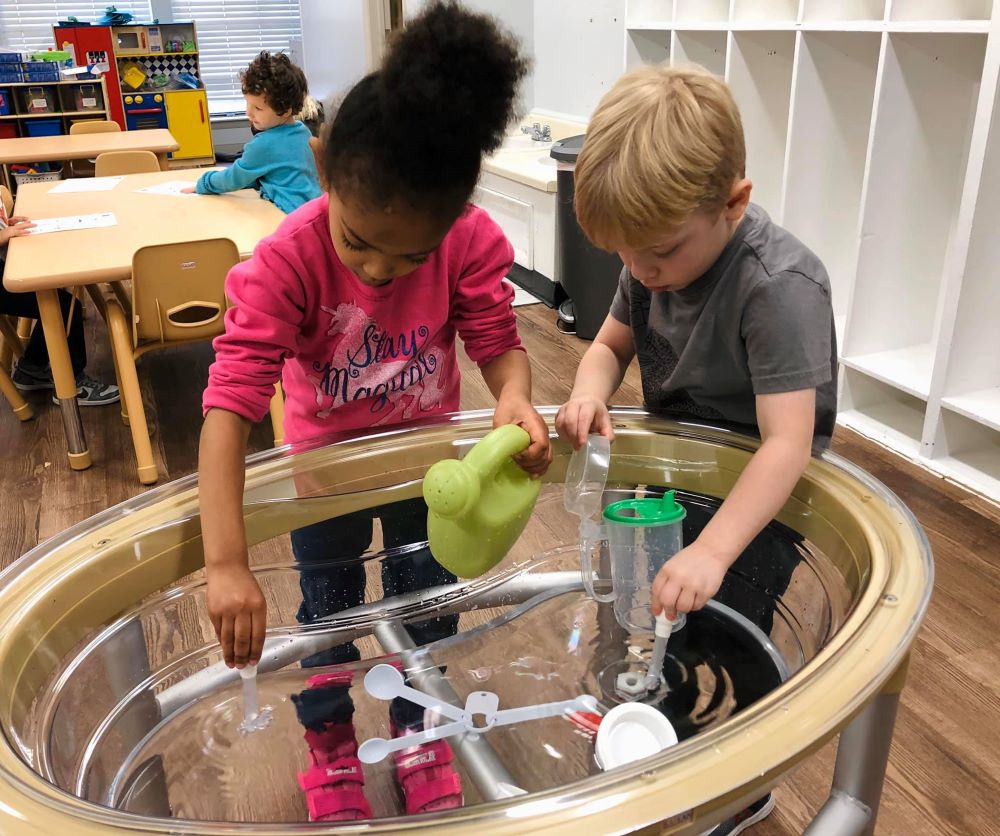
(509, 379)
(482, 314)
(261, 328)
(235, 603)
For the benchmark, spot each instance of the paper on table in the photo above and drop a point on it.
(171, 187)
(86, 184)
(70, 222)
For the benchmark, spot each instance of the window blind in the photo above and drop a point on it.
(26, 25)
(231, 33)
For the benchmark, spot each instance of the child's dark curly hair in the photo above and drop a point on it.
(417, 129)
(278, 79)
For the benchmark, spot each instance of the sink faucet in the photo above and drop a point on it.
(538, 132)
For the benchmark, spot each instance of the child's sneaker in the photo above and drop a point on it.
(30, 380)
(90, 392)
(334, 783)
(426, 776)
(749, 816)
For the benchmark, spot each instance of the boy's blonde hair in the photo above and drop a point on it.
(663, 145)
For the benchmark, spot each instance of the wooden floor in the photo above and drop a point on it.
(944, 775)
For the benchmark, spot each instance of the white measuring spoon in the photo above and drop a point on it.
(386, 683)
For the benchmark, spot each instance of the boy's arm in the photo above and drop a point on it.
(601, 372)
(694, 574)
(242, 174)
(235, 603)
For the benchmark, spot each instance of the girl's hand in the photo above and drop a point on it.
(188, 190)
(582, 415)
(239, 614)
(18, 226)
(518, 410)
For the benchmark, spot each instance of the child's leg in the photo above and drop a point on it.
(36, 355)
(404, 524)
(425, 773)
(332, 578)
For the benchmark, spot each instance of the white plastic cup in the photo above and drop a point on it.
(630, 732)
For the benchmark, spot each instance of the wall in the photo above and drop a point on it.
(333, 45)
(579, 54)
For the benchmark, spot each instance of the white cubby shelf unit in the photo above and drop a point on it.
(873, 134)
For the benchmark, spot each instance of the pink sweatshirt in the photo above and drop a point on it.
(352, 357)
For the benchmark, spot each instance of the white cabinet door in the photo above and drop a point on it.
(514, 217)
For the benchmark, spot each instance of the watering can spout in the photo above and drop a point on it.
(478, 506)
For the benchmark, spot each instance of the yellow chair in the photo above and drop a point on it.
(85, 168)
(95, 126)
(178, 296)
(11, 342)
(113, 163)
(17, 403)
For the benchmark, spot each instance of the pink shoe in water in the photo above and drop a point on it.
(334, 783)
(427, 777)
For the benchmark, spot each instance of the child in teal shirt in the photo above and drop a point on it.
(278, 161)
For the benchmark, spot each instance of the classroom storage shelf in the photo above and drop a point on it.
(63, 102)
(873, 134)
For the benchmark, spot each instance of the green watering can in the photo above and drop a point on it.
(478, 507)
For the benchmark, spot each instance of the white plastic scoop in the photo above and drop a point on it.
(385, 683)
(663, 628)
(254, 718)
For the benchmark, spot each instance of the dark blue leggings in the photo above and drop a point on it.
(331, 561)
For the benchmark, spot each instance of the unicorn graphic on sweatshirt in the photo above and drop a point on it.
(397, 373)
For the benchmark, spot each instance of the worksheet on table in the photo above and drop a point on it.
(71, 222)
(86, 184)
(171, 187)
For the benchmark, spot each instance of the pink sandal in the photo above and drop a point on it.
(427, 777)
(334, 783)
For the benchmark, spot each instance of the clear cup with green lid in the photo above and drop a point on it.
(642, 535)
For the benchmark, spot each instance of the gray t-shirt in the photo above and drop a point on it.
(758, 322)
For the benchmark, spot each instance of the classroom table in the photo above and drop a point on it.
(86, 257)
(47, 149)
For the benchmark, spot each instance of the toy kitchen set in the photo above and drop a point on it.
(153, 80)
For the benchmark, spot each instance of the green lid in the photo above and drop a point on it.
(646, 512)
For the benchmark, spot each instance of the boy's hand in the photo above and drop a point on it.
(514, 409)
(17, 227)
(580, 416)
(239, 614)
(688, 580)
(188, 190)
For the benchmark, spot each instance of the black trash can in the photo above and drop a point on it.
(588, 275)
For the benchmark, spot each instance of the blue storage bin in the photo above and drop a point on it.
(40, 71)
(10, 74)
(42, 127)
(11, 57)
(6, 103)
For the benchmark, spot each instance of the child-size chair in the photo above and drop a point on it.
(113, 163)
(10, 344)
(17, 403)
(178, 296)
(85, 168)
